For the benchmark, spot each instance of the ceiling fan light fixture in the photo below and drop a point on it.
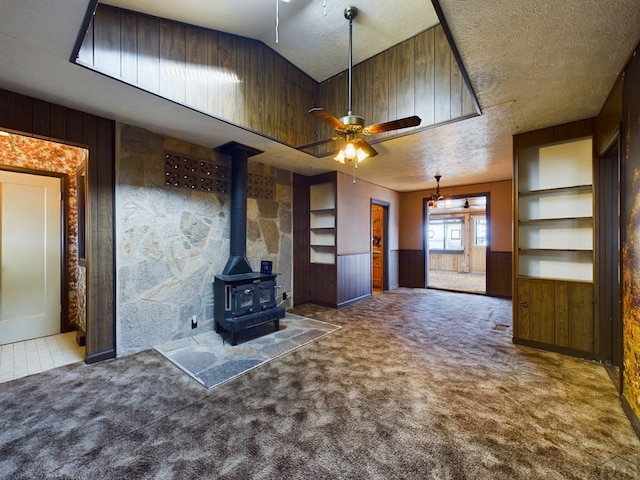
(350, 153)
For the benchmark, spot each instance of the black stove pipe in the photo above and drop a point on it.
(238, 263)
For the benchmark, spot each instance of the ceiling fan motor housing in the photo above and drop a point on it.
(352, 123)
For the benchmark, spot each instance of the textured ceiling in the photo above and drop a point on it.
(531, 63)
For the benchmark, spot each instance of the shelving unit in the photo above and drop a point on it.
(554, 239)
(555, 211)
(322, 223)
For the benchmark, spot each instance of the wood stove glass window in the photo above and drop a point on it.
(243, 297)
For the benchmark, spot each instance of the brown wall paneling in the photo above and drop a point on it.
(568, 131)
(301, 224)
(106, 38)
(197, 70)
(456, 89)
(424, 72)
(148, 54)
(354, 278)
(574, 310)
(499, 274)
(323, 284)
(85, 53)
(254, 100)
(129, 63)
(17, 112)
(392, 270)
(404, 80)
(609, 118)
(541, 308)
(442, 76)
(174, 60)
(411, 268)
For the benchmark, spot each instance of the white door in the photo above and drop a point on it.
(30, 250)
(478, 243)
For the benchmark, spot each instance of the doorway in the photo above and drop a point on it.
(456, 243)
(379, 246)
(31, 254)
(608, 260)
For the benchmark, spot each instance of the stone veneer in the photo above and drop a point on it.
(172, 241)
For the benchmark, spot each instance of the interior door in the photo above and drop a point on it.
(478, 243)
(30, 251)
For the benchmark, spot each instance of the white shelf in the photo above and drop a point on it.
(322, 223)
(555, 210)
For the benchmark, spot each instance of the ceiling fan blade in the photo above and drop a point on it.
(328, 117)
(319, 142)
(413, 121)
(365, 146)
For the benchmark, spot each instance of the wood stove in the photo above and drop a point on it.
(243, 299)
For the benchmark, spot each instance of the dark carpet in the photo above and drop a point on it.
(417, 384)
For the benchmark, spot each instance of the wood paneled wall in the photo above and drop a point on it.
(48, 121)
(246, 83)
(229, 77)
(354, 278)
(417, 77)
(500, 274)
(608, 121)
(411, 268)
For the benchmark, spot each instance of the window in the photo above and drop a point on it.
(480, 230)
(446, 233)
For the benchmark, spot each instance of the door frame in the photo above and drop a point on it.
(64, 241)
(425, 239)
(610, 333)
(385, 241)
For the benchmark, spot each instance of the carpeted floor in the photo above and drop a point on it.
(211, 361)
(417, 384)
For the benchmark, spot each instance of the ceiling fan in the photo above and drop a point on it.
(352, 127)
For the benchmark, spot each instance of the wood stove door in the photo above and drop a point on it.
(267, 295)
(243, 299)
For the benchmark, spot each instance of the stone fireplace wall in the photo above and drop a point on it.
(172, 239)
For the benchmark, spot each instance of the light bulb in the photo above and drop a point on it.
(350, 151)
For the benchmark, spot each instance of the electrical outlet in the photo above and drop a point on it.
(194, 321)
(284, 296)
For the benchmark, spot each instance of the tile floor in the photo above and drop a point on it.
(34, 356)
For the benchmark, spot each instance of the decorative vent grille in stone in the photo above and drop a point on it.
(260, 186)
(185, 172)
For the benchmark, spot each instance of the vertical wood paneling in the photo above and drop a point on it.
(75, 123)
(541, 311)
(405, 79)
(242, 44)
(85, 54)
(411, 268)
(442, 76)
(226, 77)
(301, 271)
(392, 270)
(581, 332)
(456, 88)
(380, 94)
(148, 53)
(354, 277)
(212, 73)
(254, 99)
(499, 274)
(107, 29)
(41, 118)
(522, 321)
(248, 84)
(424, 71)
(197, 73)
(24, 114)
(58, 122)
(172, 61)
(129, 63)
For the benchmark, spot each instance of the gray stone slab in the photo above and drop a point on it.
(227, 370)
